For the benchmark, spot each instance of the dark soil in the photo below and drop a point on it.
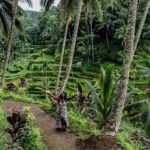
(98, 143)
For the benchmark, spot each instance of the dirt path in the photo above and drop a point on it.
(53, 139)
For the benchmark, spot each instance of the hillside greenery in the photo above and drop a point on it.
(97, 67)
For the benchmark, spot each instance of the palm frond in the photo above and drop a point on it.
(47, 4)
(8, 8)
(43, 2)
(67, 8)
(21, 12)
(97, 6)
(69, 5)
(4, 23)
(140, 102)
(146, 116)
(29, 2)
(79, 87)
(19, 25)
(106, 85)
(93, 92)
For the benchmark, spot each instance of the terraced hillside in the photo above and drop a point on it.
(40, 68)
(39, 65)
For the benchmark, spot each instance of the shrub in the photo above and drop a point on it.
(32, 138)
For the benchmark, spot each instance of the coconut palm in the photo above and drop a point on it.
(67, 6)
(130, 48)
(46, 4)
(128, 58)
(102, 95)
(96, 6)
(14, 14)
(6, 15)
(73, 44)
(141, 25)
(70, 6)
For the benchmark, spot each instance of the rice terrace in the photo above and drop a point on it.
(74, 74)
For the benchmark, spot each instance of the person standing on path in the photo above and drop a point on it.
(59, 102)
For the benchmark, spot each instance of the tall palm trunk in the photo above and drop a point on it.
(128, 57)
(141, 25)
(10, 37)
(91, 30)
(73, 44)
(62, 52)
(92, 43)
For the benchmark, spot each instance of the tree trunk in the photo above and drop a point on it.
(62, 52)
(128, 57)
(129, 53)
(10, 37)
(73, 44)
(141, 25)
(92, 44)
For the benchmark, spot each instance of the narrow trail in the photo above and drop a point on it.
(53, 139)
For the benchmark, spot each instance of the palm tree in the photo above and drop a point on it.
(102, 95)
(46, 4)
(68, 6)
(3, 20)
(73, 44)
(90, 7)
(6, 15)
(141, 25)
(96, 7)
(10, 37)
(129, 54)
(128, 58)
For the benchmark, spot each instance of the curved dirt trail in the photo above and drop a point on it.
(53, 139)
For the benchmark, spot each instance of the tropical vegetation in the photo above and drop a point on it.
(100, 48)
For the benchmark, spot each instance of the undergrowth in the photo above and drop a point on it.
(130, 137)
(79, 124)
(31, 139)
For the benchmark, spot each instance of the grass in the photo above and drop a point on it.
(34, 76)
(3, 125)
(3, 122)
(79, 124)
(125, 137)
(139, 82)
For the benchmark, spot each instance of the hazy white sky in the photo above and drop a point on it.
(36, 5)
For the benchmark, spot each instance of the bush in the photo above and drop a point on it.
(27, 137)
(32, 138)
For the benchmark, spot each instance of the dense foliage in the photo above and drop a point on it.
(97, 67)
